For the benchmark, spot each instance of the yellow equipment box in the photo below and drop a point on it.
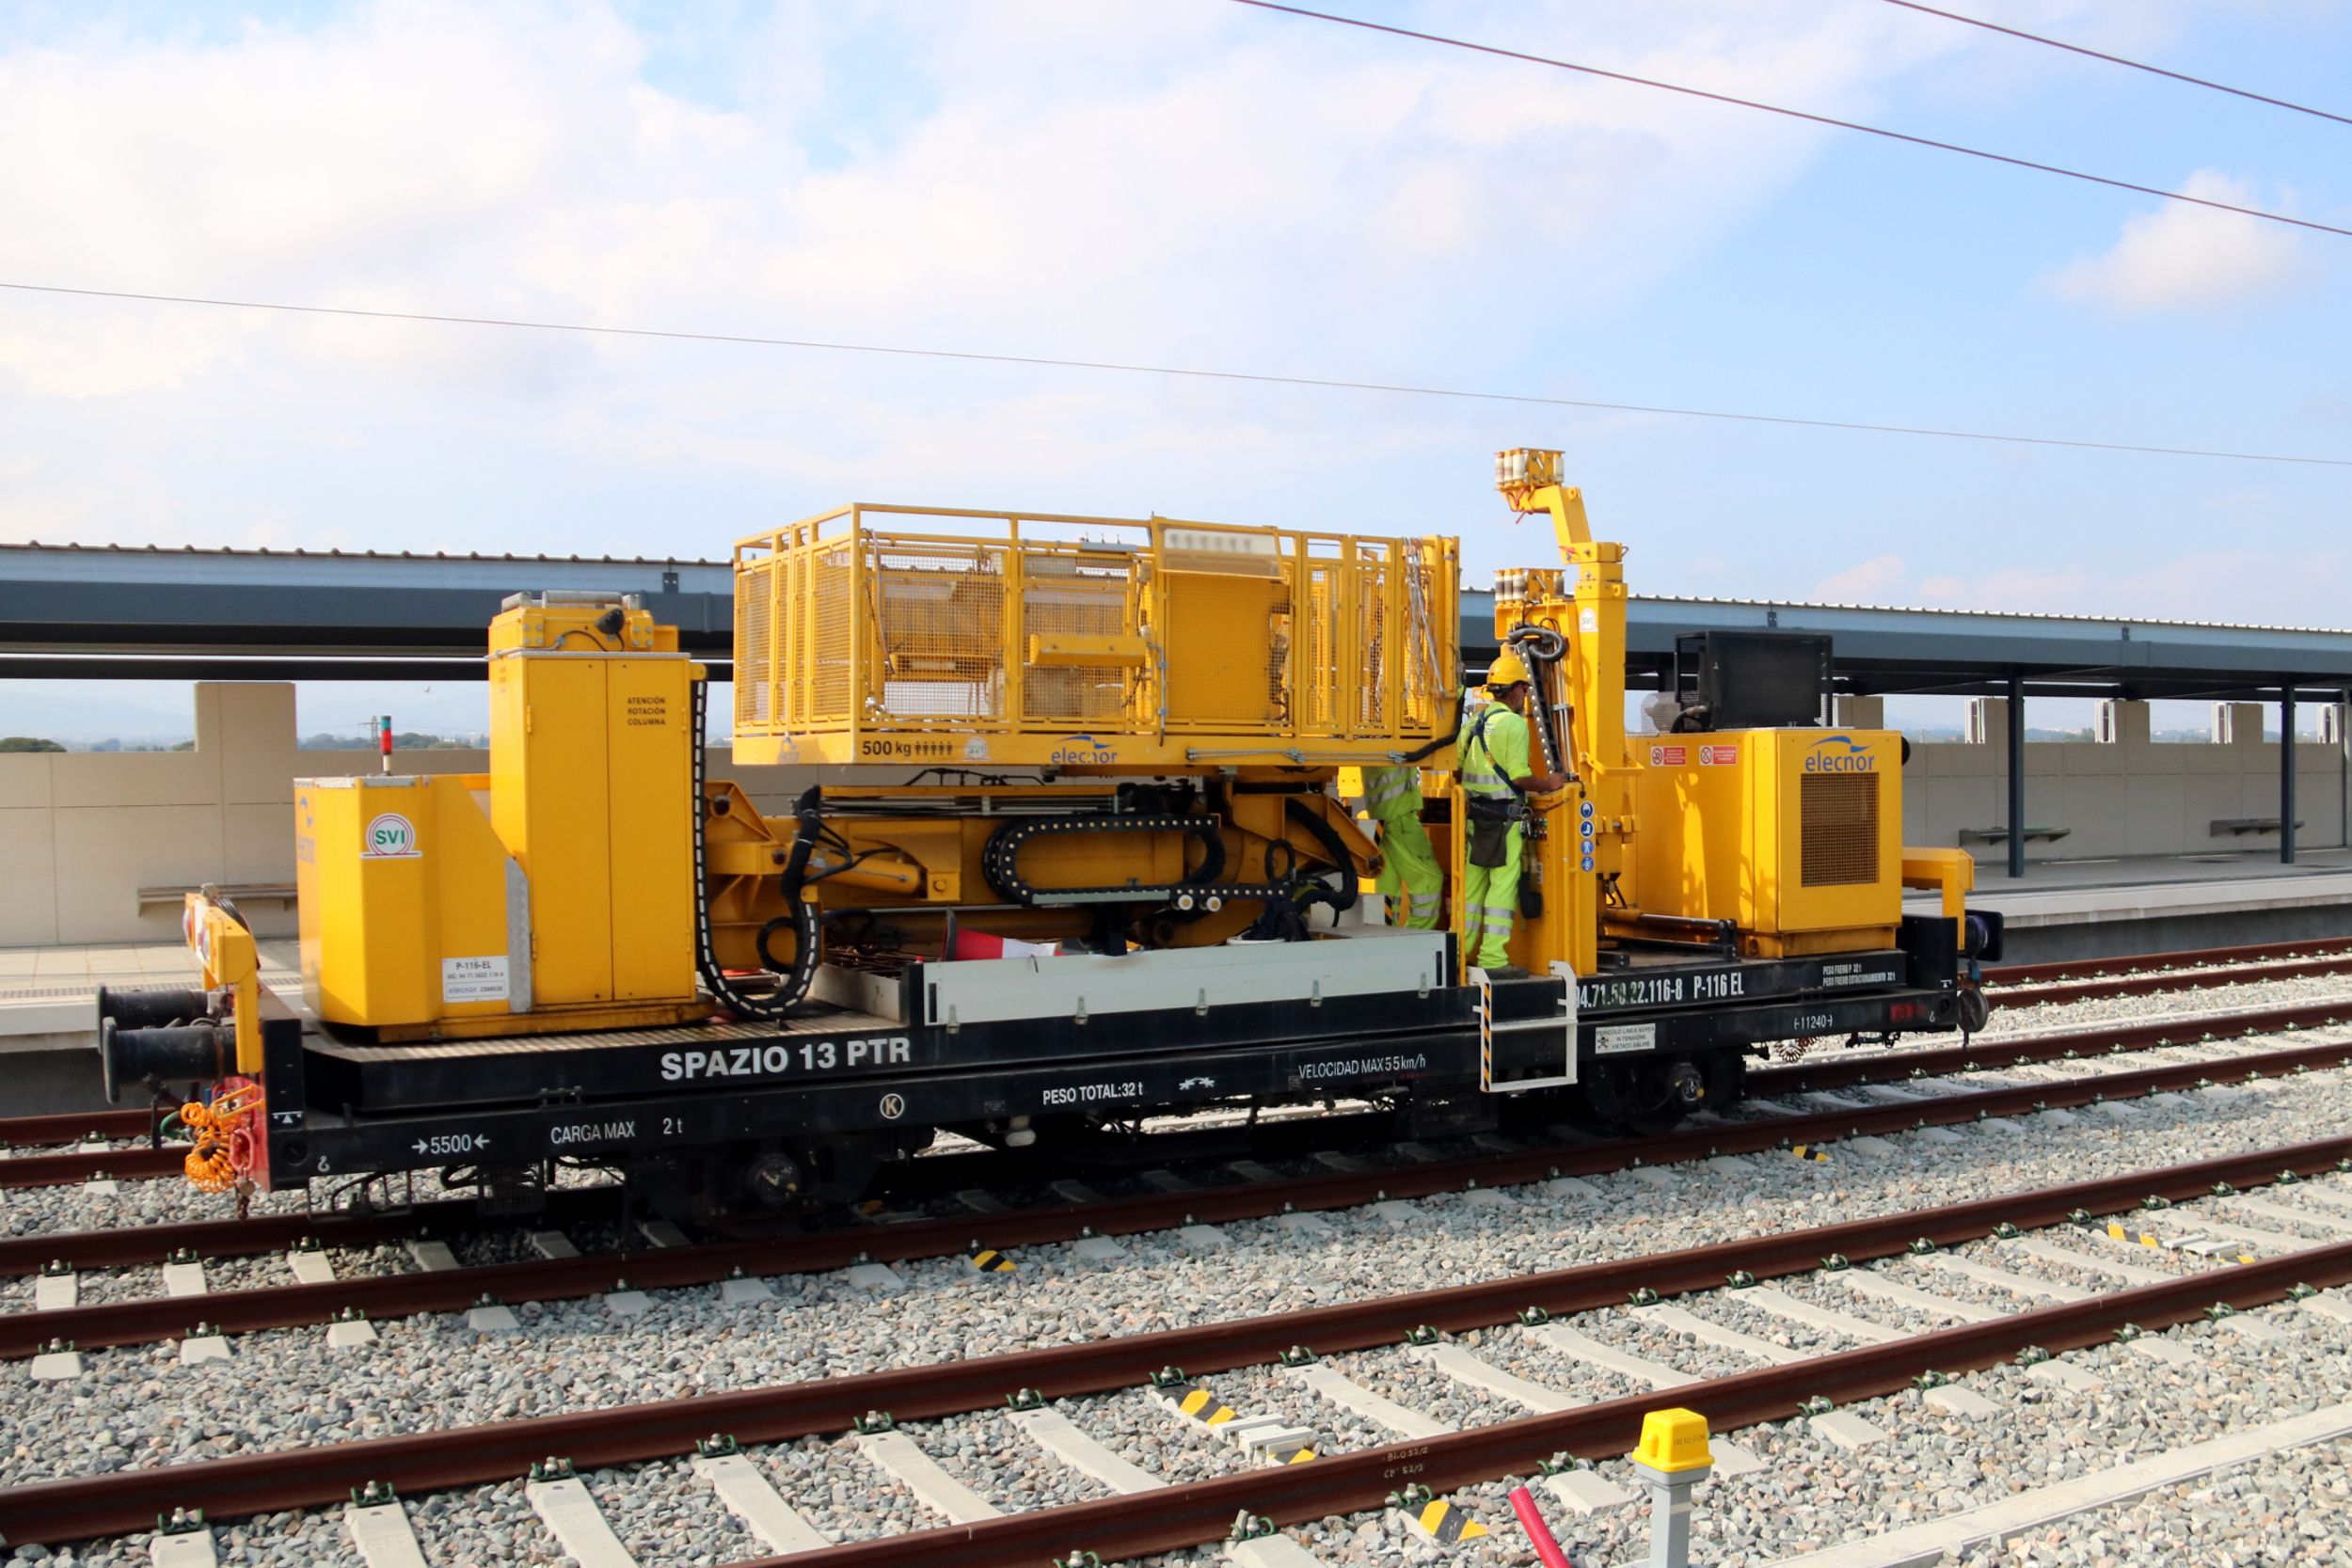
(1795, 835)
(1088, 643)
(555, 891)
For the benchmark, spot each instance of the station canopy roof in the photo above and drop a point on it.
(84, 611)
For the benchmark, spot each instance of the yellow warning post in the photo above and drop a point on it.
(1673, 1441)
(1673, 1457)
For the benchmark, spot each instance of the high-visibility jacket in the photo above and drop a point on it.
(1492, 751)
(1411, 878)
(1391, 792)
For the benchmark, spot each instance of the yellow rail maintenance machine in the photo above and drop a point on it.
(1031, 831)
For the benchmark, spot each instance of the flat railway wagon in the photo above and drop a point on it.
(1066, 845)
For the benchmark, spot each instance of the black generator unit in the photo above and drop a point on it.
(1751, 680)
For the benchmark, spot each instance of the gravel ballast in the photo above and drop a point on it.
(136, 1406)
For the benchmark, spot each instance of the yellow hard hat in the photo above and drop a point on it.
(1507, 670)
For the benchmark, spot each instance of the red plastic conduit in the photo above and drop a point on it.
(1538, 1535)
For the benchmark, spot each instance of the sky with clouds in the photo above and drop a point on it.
(1193, 182)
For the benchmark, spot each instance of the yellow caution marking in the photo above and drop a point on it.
(1198, 1404)
(1446, 1524)
(1810, 1152)
(990, 1260)
(1297, 1456)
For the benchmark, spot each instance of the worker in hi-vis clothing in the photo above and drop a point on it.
(1492, 756)
(1410, 877)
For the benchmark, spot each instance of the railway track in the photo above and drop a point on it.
(2147, 963)
(1127, 1527)
(68, 1126)
(1545, 1306)
(2176, 972)
(1200, 1511)
(454, 1289)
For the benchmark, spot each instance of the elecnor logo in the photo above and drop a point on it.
(1839, 753)
(1082, 748)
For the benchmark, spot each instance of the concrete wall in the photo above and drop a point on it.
(81, 833)
(2124, 796)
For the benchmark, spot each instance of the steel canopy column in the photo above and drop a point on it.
(2286, 774)
(2017, 775)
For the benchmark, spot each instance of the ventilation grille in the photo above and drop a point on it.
(1838, 834)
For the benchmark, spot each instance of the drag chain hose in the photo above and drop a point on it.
(792, 986)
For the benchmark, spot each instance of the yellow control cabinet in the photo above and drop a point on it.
(404, 893)
(1795, 835)
(557, 891)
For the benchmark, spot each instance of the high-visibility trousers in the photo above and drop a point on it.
(1410, 879)
(1490, 904)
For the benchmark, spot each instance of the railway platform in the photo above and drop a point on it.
(2091, 909)
(48, 1010)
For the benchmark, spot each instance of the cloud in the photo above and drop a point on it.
(1870, 582)
(2252, 583)
(1187, 185)
(2185, 258)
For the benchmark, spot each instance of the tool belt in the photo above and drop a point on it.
(1490, 815)
(1494, 808)
(1490, 824)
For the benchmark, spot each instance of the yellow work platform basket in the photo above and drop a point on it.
(1086, 643)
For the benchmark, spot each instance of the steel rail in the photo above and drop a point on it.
(931, 1176)
(66, 1126)
(1180, 1517)
(133, 1244)
(150, 1319)
(2140, 963)
(2153, 983)
(52, 1512)
(66, 1169)
(1993, 1053)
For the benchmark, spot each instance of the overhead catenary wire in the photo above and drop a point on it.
(1805, 115)
(2119, 59)
(1265, 378)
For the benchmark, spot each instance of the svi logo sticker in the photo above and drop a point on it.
(390, 837)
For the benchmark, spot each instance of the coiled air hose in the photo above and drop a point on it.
(1543, 648)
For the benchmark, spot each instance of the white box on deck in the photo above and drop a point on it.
(1367, 961)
